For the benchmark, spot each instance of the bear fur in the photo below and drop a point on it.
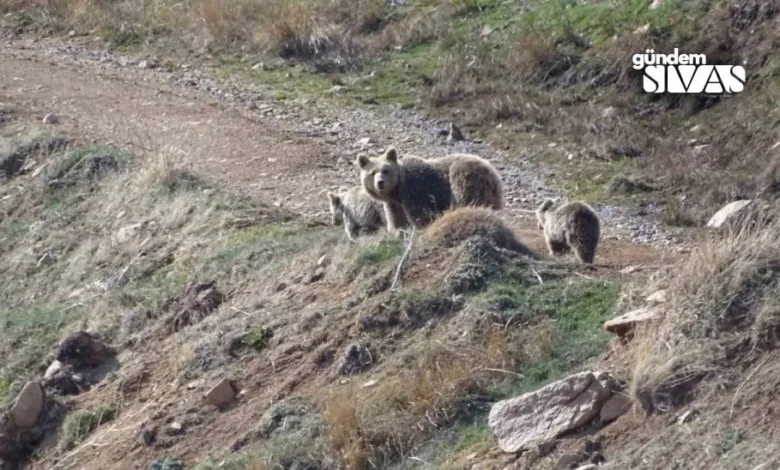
(571, 227)
(356, 210)
(416, 191)
(462, 223)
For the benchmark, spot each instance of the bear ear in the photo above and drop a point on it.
(546, 205)
(343, 189)
(363, 161)
(391, 155)
(334, 199)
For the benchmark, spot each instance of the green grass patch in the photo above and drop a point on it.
(267, 245)
(81, 424)
(572, 310)
(29, 334)
(379, 252)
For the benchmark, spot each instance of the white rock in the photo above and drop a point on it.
(728, 212)
(657, 297)
(609, 112)
(51, 118)
(53, 369)
(364, 142)
(323, 261)
(534, 418)
(28, 405)
(623, 324)
(656, 4)
(147, 64)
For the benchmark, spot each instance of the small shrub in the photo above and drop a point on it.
(79, 425)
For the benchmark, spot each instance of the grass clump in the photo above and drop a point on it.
(438, 386)
(81, 424)
(29, 333)
(383, 251)
(721, 299)
(564, 319)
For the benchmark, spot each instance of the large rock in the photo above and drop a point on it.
(624, 324)
(28, 405)
(728, 213)
(532, 419)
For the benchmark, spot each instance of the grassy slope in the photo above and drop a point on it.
(545, 71)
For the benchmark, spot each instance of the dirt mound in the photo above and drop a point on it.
(461, 224)
(197, 301)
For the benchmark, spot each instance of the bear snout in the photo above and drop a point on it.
(380, 185)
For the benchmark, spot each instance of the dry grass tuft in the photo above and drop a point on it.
(369, 426)
(720, 300)
(461, 224)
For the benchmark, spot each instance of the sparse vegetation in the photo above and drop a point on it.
(81, 424)
(106, 239)
(721, 301)
(383, 251)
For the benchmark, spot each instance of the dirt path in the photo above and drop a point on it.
(234, 133)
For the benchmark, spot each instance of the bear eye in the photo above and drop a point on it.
(384, 171)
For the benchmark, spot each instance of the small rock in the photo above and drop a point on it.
(642, 29)
(728, 213)
(364, 143)
(657, 297)
(175, 428)
(628, 270)
(696, 129)
(589, 466)
(28, 405)
(147, 64)
(53, 369)
(617, 405)
(323, 261)
(71, 33)
(51, 118)
(536, 418)
(455, 134)
(624, 324)
(258, 66)
(609, 112)
(222, 394)
(148, 436)
(370, 383)
(316, 276)
(656, 4)
(336, 89)
(687, 416)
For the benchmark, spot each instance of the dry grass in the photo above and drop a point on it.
(458, 225)
(721, 300)
(369, 426)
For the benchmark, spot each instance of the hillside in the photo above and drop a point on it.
(174, 206)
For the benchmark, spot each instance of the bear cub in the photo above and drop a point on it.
(356, 210)
(571, 227)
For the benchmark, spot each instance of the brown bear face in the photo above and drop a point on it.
(380, 175)
(336, 208)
